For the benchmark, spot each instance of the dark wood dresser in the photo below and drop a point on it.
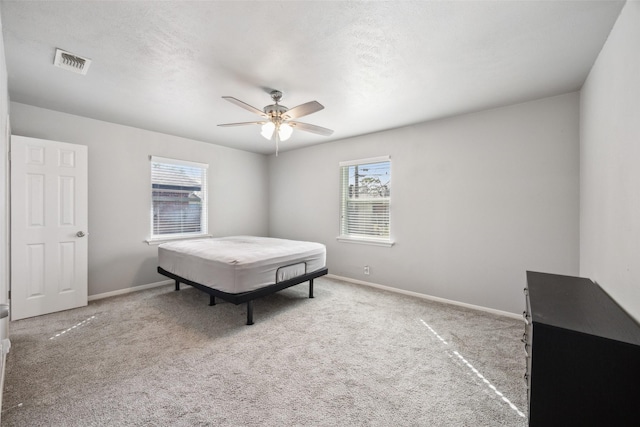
(583, 355)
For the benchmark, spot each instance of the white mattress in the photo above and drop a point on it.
(240, 263)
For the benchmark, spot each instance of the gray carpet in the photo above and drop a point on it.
(352, 356)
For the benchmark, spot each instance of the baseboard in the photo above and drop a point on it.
(129, 290)
(428, 297)
(333, 276)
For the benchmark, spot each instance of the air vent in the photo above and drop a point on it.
(71, 62)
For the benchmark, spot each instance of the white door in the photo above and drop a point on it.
(48, 226)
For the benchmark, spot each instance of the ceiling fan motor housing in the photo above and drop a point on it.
(275, 110)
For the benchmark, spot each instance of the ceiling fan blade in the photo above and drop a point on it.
(311, 128)
(303, 110)
(241, 124)
(245, 106)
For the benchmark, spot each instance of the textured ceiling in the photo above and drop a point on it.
(164, 66)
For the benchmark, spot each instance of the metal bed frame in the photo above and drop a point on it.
(249, 296)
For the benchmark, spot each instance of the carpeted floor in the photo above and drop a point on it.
(352, 356)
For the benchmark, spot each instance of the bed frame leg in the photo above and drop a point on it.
(177, 285)
(311, 288)
(249, 312)
(212, 300)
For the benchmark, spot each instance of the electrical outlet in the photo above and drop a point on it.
(366, 270)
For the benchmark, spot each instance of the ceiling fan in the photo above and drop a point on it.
(279, 121)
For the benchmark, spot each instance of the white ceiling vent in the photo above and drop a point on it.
(71, 62)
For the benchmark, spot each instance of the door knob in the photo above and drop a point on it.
(80, 234)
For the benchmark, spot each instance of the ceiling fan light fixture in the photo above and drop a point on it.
(267, 130)
(285, 131)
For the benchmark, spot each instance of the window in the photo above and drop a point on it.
(178, 199)
(365, 195)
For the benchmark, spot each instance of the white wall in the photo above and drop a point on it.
(476, 201)
(610, 165)
(4, 210)
(119, 190)
(4, 177)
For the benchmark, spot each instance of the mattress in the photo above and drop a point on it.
(240, 263)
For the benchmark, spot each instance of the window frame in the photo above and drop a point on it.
(344, 190)
(204, 204)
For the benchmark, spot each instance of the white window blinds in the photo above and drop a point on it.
(178, 198)
(365, 199)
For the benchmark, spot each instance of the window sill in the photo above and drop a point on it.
(364, 241)
(160, 240)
